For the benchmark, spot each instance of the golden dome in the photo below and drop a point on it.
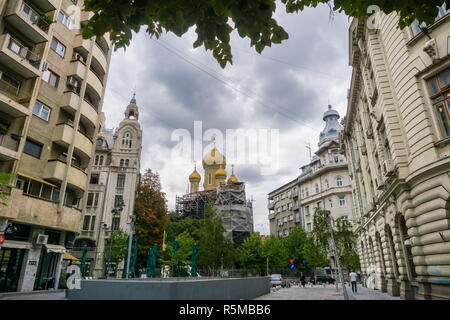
(220, 173)
(232, 178)
(213, 158)
(195, 176)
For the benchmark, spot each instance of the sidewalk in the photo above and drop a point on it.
(35, 295)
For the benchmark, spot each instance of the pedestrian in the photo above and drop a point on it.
(302, 280)
(353, 279)
(312, 279)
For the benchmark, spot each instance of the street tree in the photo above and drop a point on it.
(118, 247)
(275, 250)
(176, 227)
(251, 253)
(314, 255)
(214, 20)
(294, 243)
(151, 215)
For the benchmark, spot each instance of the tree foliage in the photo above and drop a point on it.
(151, 215)
(214, 20)
(118, 247)
(174, 227)
(214, 247)
(275, 250)
(251, 253)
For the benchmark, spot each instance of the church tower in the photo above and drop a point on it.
(194, 179)
(212, 162)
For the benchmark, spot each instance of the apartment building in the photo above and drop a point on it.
(52, 84)
(283, 209)
(111, 193)
(396, 139)
(324, 182)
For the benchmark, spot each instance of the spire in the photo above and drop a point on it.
(133, 100)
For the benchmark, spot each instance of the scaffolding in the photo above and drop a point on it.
(235, 211)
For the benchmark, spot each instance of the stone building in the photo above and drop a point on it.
(52, 84)
(323, 183)
(112, 185)
(396, 139)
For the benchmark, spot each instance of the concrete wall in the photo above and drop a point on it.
(183, 289)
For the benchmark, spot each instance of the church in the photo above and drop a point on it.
(228, 196)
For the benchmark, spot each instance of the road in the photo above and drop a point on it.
(41, 295)
(320, 292)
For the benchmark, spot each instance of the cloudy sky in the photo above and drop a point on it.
(287, 87)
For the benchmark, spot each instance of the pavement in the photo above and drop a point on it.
(321, 292)
(35, 295)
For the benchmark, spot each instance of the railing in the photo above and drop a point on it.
(89, 102)
(23, 52)
(34, 17)
(104, 51)
(9, 141)
(96, 73)
(14, 92)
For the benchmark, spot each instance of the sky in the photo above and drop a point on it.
(284, 91)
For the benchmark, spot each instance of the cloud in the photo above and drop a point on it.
(287, 87)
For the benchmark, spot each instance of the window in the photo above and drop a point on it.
(415, 28)
(309, 227)
(307, 209)
(282, 196)
(64, 19)
(99, 142)
(291, 217)
(32, 148)
(94, 179)
(307, 192)
(331, 203)
(339, 181)
(92, 200)
(439, 90)
(341, 201)
(279, 209)
(51, 78)
(121, 162)
(209, 179)
(120, 181)
(58, 47)
(101, 160)
(96, 160)
(326, 182)
(86, 222)
(11, 82)
(284, 207)
(280, 233)
(115, 223)
(93, 223)
(317, 188)
(285, 219)
(279, 222)
(127, 140)
(118, 201)
(127, 163)
(41, 110)
(290, 206)
(336, 157)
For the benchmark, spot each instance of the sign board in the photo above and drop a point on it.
(291, 267)
(304, 262)
(2, 238)
(291, 261)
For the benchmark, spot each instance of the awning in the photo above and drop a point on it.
(36, 179)
(55, 248)
(16, 244)
(68, 256)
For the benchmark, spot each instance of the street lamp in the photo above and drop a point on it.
(116, 211)
(133, 219)
(327, 217)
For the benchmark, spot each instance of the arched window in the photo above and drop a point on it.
(127, 140)
(96, 160)
(317, 188)
(127, 162)
(121, 162)
(101, 160)
(209, 178)
(339, 181)
(99, 142)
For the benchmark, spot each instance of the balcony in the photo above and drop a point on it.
(29, 22)
(8, 147)
(37, 211)
(89, 112)
(100, 56)
(19, 58)
(271, 205)
(69, 102)
(56, 170)
(63, 136)
(46, 5)
(77, 69)
(96, 83)
(13, 100)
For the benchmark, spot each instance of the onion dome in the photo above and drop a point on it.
(232, 178)
(214, 158)
(221, 174)
(332, 126)
(195, 176)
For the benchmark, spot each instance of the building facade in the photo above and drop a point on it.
(323, 183)
(396, 139)
(52, 85)
(113, 182)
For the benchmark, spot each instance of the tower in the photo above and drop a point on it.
(212, 161)
(194, 179)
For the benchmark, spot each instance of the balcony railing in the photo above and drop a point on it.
(34, 17)
(23, 52)
(14, 93)
(9, 141)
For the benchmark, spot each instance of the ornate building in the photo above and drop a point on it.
(114, 177)
(396, 139)
(229, 197)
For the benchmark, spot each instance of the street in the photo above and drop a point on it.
(323, 293)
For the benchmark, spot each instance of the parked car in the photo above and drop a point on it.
(324, 278)
(277, 280)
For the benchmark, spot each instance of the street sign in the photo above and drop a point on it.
(291, 261)
(292, 267)
(329, 267)
(2, 238)
(304, 262)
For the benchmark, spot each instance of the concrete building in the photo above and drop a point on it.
(112, 185)
(323, 183)
(283, 207)
(51, 92)
(396, 139)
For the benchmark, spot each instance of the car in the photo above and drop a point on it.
(324, 278)
(277, 280)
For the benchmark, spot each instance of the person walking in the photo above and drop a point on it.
(353, 279)
(302, 279)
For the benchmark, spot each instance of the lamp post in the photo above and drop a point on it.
(116, 211)
(133, 218)
(327, 216)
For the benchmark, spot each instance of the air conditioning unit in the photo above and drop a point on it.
(41, 238)
(379, 183)
(72, 82)
(77, 56)
(388, 168)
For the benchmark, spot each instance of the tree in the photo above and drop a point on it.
(151, 215)
(216, 19)
(294, 243)
(214, 247)
(315, 255)
(251, 253)
(275, 250)
(118, 247)
(175, 228)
